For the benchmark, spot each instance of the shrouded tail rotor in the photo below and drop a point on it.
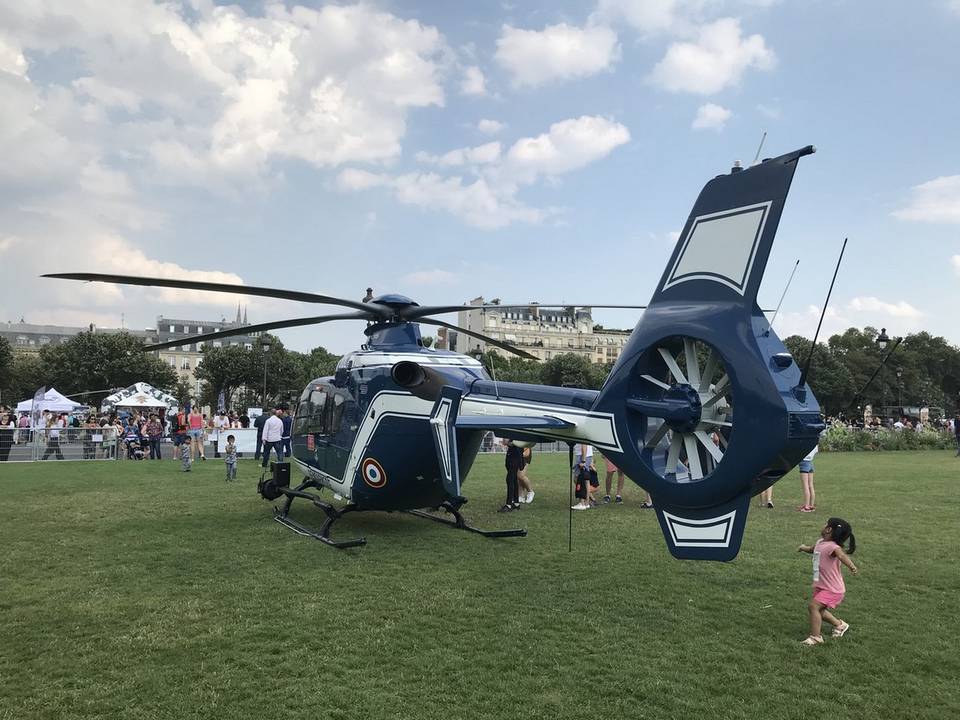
(684, 394)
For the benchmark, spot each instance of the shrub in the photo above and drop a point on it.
(838, 438)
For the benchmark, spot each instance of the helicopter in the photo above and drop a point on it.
(704, 408)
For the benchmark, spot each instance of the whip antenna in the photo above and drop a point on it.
(792, 273)
(813, 345)
(759, 148)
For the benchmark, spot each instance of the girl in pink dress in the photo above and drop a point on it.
(828, 587)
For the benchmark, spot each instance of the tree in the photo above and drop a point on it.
(92, 361)
(511, 368)
(570, 370)
(830, 379)
(222, 370)
(317, 363)
(6, 369)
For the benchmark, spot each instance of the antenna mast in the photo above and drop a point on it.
(813, 345)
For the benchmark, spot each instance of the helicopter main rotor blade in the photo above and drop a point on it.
(373, 310)
(498, 343)
(262, 327)
(441, 309)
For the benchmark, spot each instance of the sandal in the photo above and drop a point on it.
(646, 506)
(839, 631)
(813, 640)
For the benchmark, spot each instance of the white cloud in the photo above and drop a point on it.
(934, 201)
(645, 16)
(715, 61)
(956, 263)
(769, 111)
(12, 60)
(558, 52)
(127, 98)
(236, 91)
(8, 242)
(480, 155)
(354, 179)
(901, 309)
(473, 82)
(490, 198)
(430, 277)
(712, 117)
(568, 145)
(490, 127)
(954, 6)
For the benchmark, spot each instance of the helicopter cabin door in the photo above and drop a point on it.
(320, 417)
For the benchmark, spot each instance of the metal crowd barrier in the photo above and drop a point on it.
(30, 445)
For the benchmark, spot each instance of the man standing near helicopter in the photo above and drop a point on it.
(272, 434)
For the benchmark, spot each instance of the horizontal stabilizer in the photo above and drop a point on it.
(510, 422)
(712, 533)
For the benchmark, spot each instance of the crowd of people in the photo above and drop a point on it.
(134, 435)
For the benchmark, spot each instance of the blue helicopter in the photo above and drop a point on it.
(704, 408)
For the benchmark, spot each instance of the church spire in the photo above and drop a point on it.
(245, 315)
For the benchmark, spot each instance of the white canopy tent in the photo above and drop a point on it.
(140, 395)
(52, 401)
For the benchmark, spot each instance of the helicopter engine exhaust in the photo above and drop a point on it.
(422, 382)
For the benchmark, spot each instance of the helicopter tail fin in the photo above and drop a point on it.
(712, 533)
(723, 250)
(443, 425)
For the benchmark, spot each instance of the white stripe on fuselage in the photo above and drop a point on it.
(598, 429)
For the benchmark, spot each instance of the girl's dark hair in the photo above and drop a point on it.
(841, 532)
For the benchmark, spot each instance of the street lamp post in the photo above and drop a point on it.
(900, 387)
(265, 346)
(882, 342)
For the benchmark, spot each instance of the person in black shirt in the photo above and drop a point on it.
(258, 424)
(513, 464)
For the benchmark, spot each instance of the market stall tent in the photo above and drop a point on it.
(52, 401)
(140, 395)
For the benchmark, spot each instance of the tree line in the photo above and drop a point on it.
(98, 363)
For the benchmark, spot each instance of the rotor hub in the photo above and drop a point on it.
(686, 407)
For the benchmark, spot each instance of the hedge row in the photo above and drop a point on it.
(841, 439)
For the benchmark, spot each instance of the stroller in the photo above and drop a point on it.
(134, 445)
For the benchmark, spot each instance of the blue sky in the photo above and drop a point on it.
(527, 151)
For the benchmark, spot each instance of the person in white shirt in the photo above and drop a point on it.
(272, 434)
(584, 476)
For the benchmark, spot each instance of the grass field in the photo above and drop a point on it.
(130, 590)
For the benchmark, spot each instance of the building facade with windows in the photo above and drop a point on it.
(543, 332)
(26, 337)
(187, 357)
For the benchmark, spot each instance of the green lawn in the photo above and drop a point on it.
(130, 590)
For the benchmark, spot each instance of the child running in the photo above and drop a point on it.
(230, 458)
(185, 457)
(828, 587)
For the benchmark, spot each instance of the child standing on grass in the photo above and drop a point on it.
(185, 456)
(828, 587)
(230, 458)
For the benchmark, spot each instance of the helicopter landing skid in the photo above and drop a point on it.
(333, 513)
(460, 522)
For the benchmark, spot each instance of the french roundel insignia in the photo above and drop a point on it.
(373, 474)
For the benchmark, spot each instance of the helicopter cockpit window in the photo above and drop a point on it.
(311, 411)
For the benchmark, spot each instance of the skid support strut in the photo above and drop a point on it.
(460, 522)
(333, 514)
